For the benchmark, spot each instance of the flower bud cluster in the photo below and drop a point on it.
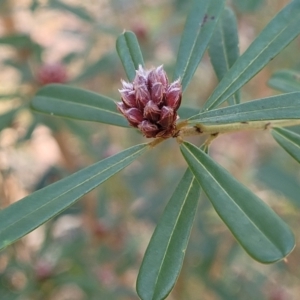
(150, 103)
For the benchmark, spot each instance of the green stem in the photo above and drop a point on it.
(200, 129)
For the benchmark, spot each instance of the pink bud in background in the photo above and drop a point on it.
(52, 73)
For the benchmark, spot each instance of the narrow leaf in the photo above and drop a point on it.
(224, 48)
(185, 112)
(289, 141)
(165, 253)
(280, 180)
(7, 118)
(17, 40)
(248, 5)
(70, 102)
(130, 53)
(286, 106)
(285, 81)
(198, 30)
(257, 228)
(78, 11)
(284, 27)
(32, 211)
(106, 62)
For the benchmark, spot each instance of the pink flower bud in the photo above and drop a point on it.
(134, 116)
(128, 97)
(150, 103)
(142, 95)
(148, 129)
(157, 93)
(121, 107)
(158, 75)
(152, 111)
(167, 117)
(173, 95)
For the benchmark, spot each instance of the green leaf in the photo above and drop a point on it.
(224, 48)
(32, 211)
(17, 40)
(198, 30)
(70, 102)
(130, 53)
(185, 112)
(285, 81)
(289, 141)
(105, 63)
(78, 11)
(280, 180)
(248, 5)
(284, 27)
(9, 96)
(165, 253)
(257, 228)
(285, 106)
(7, 118)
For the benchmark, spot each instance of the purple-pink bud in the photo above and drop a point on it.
(158, 75)
(148, 129)
(121, 107)
(128, 97)
(152, 111)
(173, 95)
(167, 117)
(142, 95)
(157, 93)
(150, 103)
(134, 116)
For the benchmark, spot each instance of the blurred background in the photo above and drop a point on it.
(93, 250)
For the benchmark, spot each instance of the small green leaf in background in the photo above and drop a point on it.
(264, 236)
(106, 62)
(284, 27)
(285, 81)
(285, 106)
(7, 118)
(248, 5)
(280, 180)
(224, 48)
(197, 33)
(70, 102)
(17, 40)
(130, 53)
(4, 97)
(289, 141)
(165, 253)
(78, 11)
(32, 211)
